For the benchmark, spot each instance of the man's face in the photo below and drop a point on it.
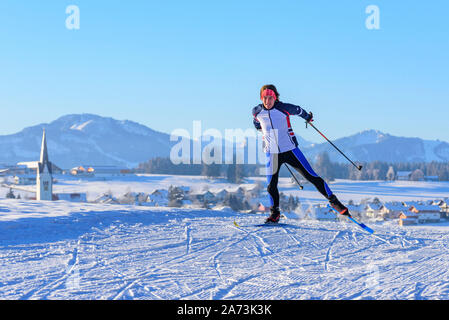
(268, 101)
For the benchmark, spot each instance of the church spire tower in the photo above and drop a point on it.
(44, 180)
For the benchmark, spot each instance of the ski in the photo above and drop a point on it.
(271, 224)
(278, 224)
(361, 225)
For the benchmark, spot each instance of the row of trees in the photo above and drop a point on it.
(234, 173)
(322, 165)
(378, 170)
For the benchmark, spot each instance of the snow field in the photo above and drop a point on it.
(61, 250)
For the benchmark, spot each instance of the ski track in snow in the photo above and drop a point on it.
(112, 252)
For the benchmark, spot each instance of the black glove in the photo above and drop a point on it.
(310, 117)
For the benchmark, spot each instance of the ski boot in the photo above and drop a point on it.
(274, 216)
(337, 205)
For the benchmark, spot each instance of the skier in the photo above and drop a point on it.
(272, 118)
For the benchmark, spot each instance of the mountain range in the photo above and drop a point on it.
(81, 139)
(373, 145)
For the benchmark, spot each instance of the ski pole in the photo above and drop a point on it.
(294, 177)
(359, 167)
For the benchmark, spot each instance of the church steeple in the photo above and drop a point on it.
(44, 163)
(44, 180)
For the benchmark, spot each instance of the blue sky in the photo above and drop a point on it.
(167, 63)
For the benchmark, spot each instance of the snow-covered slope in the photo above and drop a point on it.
(60, 250)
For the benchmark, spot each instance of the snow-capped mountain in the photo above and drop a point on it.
(79, 139)
(373, 145)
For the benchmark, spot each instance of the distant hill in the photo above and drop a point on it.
(87, 139)
(373, 145)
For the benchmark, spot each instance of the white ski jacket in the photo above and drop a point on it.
(278, 135)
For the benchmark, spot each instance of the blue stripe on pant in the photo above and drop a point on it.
(300, 156)
(271, 193)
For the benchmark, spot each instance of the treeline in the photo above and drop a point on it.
(322, 165)
(378, 170)
(234, 173)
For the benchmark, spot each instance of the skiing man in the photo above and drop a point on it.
(272, 117)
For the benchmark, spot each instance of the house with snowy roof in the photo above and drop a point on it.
(107, 198)
(136, 198)
(403, 175)
(407, 218)
(221, 195)
(373, 211)
(158, 198)
(391, 211)
(442, 203)
(202, 196)
(426, 213)
(444, 208)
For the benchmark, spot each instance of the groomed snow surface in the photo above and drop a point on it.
(62, 250)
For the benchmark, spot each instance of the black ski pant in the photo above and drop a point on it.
(296, 159)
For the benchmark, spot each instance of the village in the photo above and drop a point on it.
(248, 200)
